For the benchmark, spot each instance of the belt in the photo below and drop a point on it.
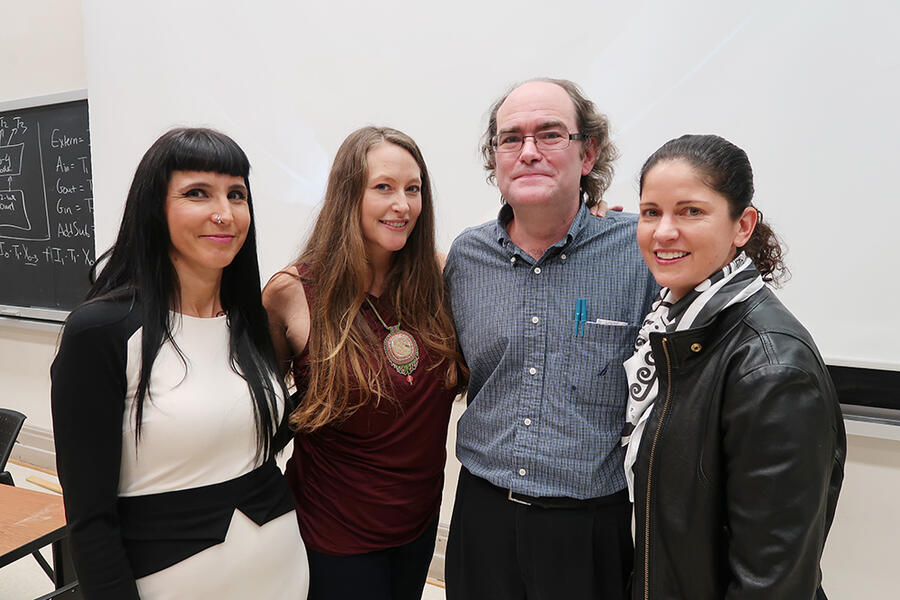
(620, 497)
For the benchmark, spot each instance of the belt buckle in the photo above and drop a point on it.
(509, 496)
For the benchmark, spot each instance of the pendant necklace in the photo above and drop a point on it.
(399, 347)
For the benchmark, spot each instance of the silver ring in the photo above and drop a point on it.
(217, 219)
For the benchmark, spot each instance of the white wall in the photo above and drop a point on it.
(808, 87)
(860, 561)
(43, 48)
(43, 54)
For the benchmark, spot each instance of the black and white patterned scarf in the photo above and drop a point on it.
(734, 283)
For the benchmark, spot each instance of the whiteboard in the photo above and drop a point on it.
(809, 89)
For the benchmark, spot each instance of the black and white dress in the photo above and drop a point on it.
(189, 511)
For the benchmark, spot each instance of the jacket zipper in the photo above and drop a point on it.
(650, 471)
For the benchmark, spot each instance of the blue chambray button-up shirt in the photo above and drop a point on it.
(545, 408)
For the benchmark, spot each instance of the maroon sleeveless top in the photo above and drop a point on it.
(373, 481)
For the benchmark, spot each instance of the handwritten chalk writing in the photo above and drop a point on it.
(18, 252)
(68, 189)
(11, 159)
(65, 206)
(72, 229)
(46, 205)
(61, 140)
(58, 255)
(13, 213)
(62, 167)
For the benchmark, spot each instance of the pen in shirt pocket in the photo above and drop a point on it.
(609, 322)
(580, 316)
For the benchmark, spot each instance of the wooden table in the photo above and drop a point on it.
(29, 521)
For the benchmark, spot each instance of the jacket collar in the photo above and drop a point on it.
(683, 348)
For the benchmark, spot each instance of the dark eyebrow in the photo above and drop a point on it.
(196, 184)
(549, 124)
(386, 177)
(205, 186)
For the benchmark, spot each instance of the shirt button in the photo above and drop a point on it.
(532, 370)
(535, 320)
(537, 270)
(512, 259)
(522, 472)
(527, 421)
(562, 256)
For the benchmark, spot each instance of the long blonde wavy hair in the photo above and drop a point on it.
(340, 340)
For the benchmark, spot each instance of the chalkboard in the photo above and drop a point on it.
(46, 209)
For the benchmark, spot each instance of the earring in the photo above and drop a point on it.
(217, 219)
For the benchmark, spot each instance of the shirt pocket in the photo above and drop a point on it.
(606, 344)
(585, 358)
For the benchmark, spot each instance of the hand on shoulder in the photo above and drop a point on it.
(601, 208)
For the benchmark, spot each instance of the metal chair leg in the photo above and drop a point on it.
(44, 565)
(70, 591)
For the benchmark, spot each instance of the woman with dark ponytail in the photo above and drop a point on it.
(168, 404)
(735, 441)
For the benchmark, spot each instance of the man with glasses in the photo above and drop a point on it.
(547, 301)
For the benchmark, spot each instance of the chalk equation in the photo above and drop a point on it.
(49, 255)
(46, 206)
(27, 216)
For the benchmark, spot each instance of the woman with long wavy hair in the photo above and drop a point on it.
(361, 320)
(167, 399)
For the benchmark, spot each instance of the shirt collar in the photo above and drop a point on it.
(506, 215)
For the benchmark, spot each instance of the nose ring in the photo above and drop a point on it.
(217, 219)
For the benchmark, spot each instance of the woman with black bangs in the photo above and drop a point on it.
(167, 401)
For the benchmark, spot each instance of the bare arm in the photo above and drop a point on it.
(289, 319)
(441, 259)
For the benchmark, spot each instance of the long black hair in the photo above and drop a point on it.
(725, 169)
(138, 267)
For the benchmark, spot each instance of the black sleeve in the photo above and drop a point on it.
(87, 401)
(779, 445)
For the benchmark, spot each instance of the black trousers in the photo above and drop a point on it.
(502, 550)
(392, 574)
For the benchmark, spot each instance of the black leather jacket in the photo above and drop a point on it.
(741, 463)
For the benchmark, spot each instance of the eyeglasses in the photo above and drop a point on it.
(557, 138)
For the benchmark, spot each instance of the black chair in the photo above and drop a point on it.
(10, 425)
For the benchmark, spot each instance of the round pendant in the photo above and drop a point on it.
(401, 351)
